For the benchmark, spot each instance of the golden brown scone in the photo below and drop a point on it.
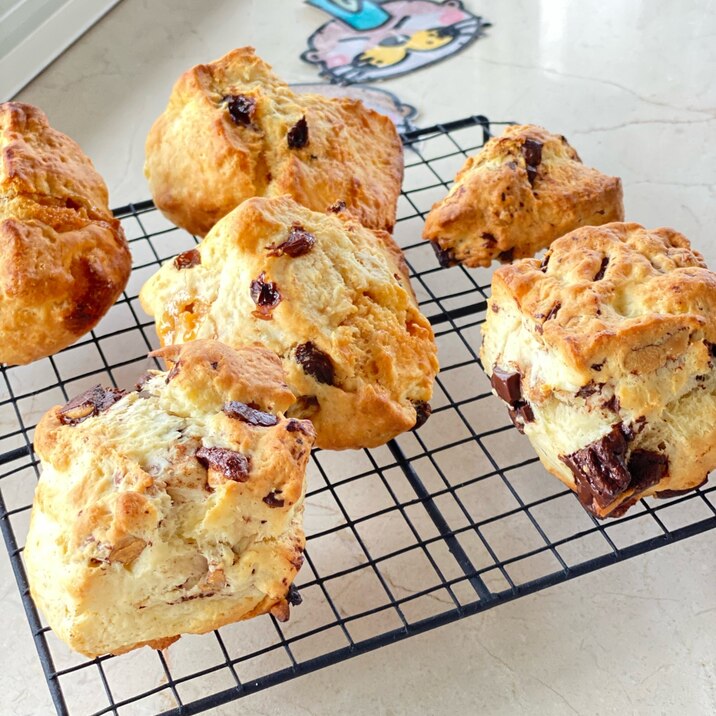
(605, 354)
(329, 296)
(172, 509)
(63, 256)
(234, 130)
(522, 191)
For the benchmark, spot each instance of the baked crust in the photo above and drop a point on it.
(201, 163)
(509, 202)
(613, 339)
(341, 314)
(136, 535)
(64, 258)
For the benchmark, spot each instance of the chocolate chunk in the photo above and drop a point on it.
(446, 258)
(712, 349)
(298, 134)
(623, 508)
(597, 366)
(294, 426)
(293, 597)
(599, 469)
(646, 467)
(422, 413)
(272, 501)
(602, 269)
(249, 414)
(507, 385)
(506, 257)
(532, 152)
(315, 362)
(187, 260)
(265, 295)
(173, 372)
(520, 414)
(589, 389)
(545, 263)
(632, 430)
(88, 404)
(337, 207)
(241, 108)
(489, 239)
(553, 312)
(298, 243)
(232, 465)
(612, 404)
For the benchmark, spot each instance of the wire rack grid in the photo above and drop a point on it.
(441, 523)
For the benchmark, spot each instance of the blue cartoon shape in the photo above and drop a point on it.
(418, 33)
(359, 14)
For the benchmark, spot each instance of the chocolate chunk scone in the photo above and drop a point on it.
(234, 130)
(63, 256)
(604, 353)
(522, 191)
(171, 509)
(329, 296)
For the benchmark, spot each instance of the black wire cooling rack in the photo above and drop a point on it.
(439, 524)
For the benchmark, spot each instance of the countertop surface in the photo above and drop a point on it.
(631, 84)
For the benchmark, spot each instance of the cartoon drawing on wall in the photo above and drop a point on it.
(370, 41)
(375, 98)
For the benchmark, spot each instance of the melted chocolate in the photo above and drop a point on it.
(446, 258)
(272, 501)
(602, 269)
(600, 469)
(88, 404)
(422, 413)
(532, 152)
(249, 414)
(507, 385)
(315, 363)
(241, 108)
(232, 465)
(298, 134)
(298, 243)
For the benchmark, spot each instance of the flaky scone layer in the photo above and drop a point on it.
(523, 190)
(171, 509)
(330, 297)
(64, 259)
(605, 353)
(233, 130)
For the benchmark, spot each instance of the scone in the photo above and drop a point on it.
(233, 130)
(172, 509)
(604, 354)
(522, 191)
(64, 259)
(329, 296)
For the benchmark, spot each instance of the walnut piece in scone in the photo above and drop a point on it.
(523, 190)
(605, 354)
(170, 509)
(233, 130)
(63, 256)
(329, 296)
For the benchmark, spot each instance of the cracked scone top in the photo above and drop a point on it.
(233, 130)
(604, 352)
(64, 259)
(330, 297)
(520, 192)
(175, 508)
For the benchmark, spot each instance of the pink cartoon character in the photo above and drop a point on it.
(373, 41)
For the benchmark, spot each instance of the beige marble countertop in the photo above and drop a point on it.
(631, 84)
